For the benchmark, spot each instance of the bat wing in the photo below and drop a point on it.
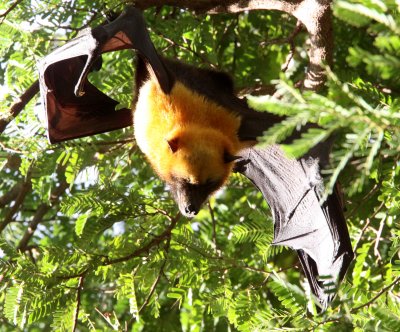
(318, 233)
(253, 123)
(75, 107)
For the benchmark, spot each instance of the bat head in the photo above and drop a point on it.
(197, 164)
(188, 138)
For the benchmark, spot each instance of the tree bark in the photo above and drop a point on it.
(316, 15)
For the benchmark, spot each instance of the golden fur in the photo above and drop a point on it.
(202, 130)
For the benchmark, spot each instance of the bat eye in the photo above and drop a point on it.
(228, 158)
(173, 144)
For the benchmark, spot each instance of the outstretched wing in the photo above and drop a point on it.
(75, 107)
(293, 190)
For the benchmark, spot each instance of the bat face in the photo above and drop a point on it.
(190, 197)
(195, 167)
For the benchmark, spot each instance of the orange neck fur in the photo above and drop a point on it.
(203, 127)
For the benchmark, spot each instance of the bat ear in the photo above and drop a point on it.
(228, 158)
(173, 144)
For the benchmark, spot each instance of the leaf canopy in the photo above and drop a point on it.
(103, 244)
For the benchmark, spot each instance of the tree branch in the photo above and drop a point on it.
(78, 303)
(25, 189)
(12, 194)
(19, 104)
(314, 14)
(157, 280)
(40, 213)
(383, 291)
(154, 242)
(4, 14)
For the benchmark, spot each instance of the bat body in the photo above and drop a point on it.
(192, 129)
(190, 135)
(185, 137)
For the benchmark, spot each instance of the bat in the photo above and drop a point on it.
(193, 130)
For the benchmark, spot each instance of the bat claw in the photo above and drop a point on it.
(240, 166)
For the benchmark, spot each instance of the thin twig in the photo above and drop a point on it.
(287, 40)
(107, 316)
(153, 287)
(11, 150)
(361, 234)
(154, 242)
(157, 280)
(367, 224)
(214, 226)
(85, 144)
(185, 48)
(383, 291)
(4, 14)
(95, 16)
(78, 302)
(362, 201)
(295, 32)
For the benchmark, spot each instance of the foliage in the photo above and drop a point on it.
(104, 247)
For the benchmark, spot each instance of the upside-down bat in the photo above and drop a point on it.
(187, 120)
(191, 134)
(193, 130)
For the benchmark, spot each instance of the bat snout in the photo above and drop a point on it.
(189, 210)
(189, 197)
(189, 206)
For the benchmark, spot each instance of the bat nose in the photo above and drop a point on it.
(190, 210)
